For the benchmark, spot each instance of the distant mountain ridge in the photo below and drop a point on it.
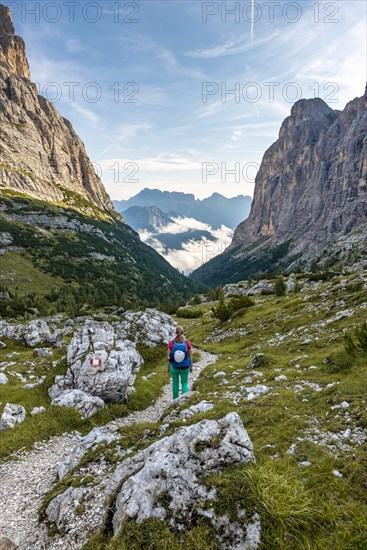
(149, 218)
(215, 210)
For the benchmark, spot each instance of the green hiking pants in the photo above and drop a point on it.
(176, 375)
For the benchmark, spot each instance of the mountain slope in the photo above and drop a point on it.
(40, 153)
(77, 260)
(63, 247)
(310, 193)
(216, 210)
(149, 218)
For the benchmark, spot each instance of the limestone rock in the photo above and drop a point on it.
(3, 378)
(70, 499)
(86, 404)
(201, 407)
(97, 435)
(12, 415)
(41, 155)
(37, 410)
(174, 466)
(34, 333)
(114, 378)
(149, 327)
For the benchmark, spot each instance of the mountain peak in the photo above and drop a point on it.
(307, 108)
(12, 47)
(6, 24)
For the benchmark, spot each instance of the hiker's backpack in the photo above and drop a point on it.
(179, 358)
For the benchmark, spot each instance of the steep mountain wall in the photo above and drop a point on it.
(311, 186)
(310, 198)
(40, 153)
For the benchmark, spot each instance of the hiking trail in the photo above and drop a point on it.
(25, 482)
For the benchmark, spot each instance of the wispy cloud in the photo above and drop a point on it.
(90, 116)
(231, 47)
(129, 131)
(159, 163)
(73, 45)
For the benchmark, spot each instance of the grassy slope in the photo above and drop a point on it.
(238, 264)
(134, 274)
(301, 506)
(18, 273)
(58, 419)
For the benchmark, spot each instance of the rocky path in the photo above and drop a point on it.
(24, 483)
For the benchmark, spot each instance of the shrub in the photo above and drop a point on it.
(339, 361)
(221, 311)
(279, 286)
(219, 294)
(211, 294)
(358, 347)
(189, 312)
(297, 288)
(195, 300)
(266, 292)
(239, 302)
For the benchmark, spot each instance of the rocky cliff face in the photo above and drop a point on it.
(12, 48)
(311, 186)
(40, 153)
(310, 199)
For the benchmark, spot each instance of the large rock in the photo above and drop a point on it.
(36, 332)
(105, 434)
(33, 333)
(174, 466)
(12, 415)
(166, 481)
(113, 380)
(149, 327)
(86, 404)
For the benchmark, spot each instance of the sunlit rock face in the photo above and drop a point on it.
(311, 186)
(40, 153)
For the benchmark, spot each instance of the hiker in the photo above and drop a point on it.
(179, 362)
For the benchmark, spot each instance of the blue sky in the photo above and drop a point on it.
(141, 68)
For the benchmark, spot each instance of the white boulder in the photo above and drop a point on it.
(86, 404)
(12, 415)
(174, 466)
(37, 410)
(117, 362)
(149, 327)
(3, 378)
